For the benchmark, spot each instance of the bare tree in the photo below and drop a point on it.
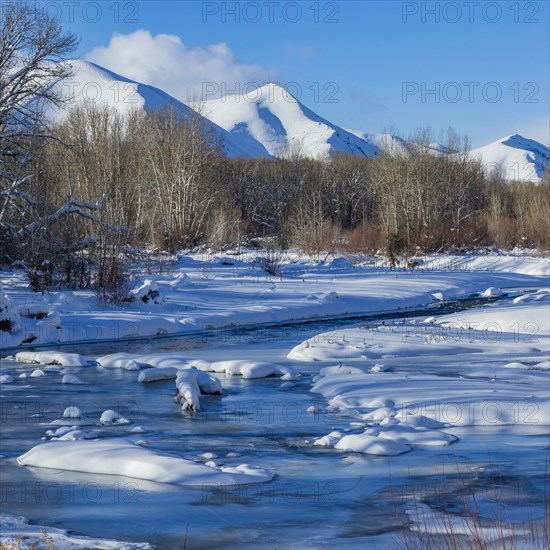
(182, 154)
(32, 45)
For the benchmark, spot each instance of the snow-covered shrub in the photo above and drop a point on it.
(271, 262)
(111, 284)
(63, 268)
(148, 292)
(40, 275)
(8, 315)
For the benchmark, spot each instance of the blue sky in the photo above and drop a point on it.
(481, 67)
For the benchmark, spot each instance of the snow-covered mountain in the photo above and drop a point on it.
(269, 122)
(93, 84)
(271, 116)
(516, 157)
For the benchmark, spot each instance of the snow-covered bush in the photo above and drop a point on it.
(8, 315)
(111, 284)
(59, 267)
(272, 261)
(148, 292)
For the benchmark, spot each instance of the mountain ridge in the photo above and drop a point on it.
(270, 122)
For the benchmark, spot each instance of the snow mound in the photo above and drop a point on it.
(120, 360)
(75, 435)
(415, 436)
(372, 445)
(51, 358)
(247, 369)
(159, 373)
(336, 371)
(71, 379)
(191, 383)
(110, 417)
(542, 294)
(148, 292)
(328, 350)
(491, 292)
(328, 440)
(72, 412)
(120, 457)
(341, 263)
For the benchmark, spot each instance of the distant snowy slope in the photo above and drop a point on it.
(90, 83)
(280, 123)
(393, 144)
(517, 158)
(387, 143)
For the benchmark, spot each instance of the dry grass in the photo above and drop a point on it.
(459, 520)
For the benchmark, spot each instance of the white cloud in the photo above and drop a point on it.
(166, 62)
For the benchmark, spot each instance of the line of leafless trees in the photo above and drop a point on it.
(161, 180)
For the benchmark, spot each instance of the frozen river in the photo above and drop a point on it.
(319, 498)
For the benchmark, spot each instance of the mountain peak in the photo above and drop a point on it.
(515, 157)
(270, 91)
(272, 116)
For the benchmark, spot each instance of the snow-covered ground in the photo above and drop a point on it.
(218, 292)
(316, 429)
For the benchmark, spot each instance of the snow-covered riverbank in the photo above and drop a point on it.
(217, 293)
